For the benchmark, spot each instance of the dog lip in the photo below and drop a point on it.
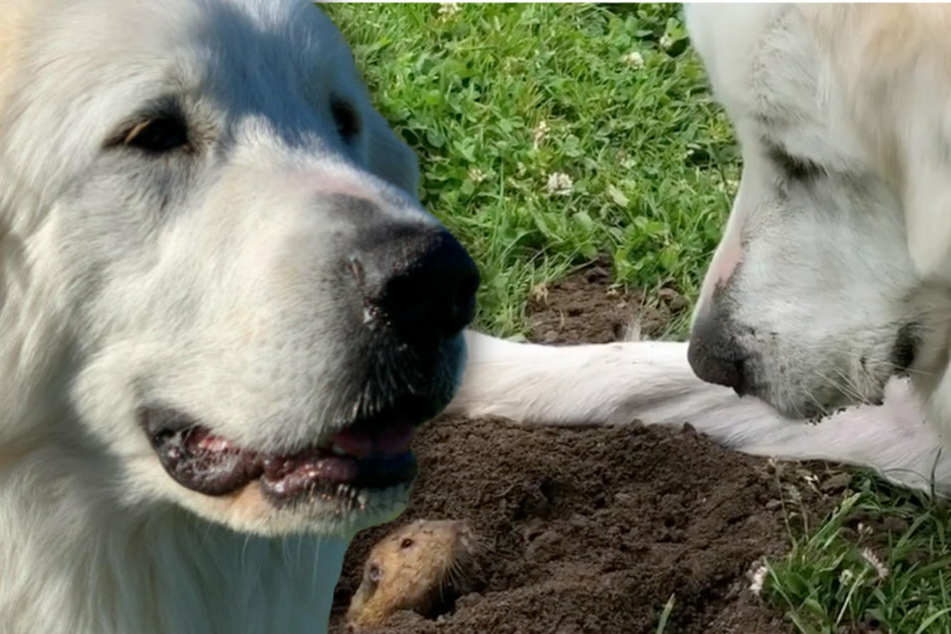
(362, 443)
(198, 459)
(364, 456)
(318, 474)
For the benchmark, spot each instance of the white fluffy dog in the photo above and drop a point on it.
(832, 284)
(223, 313)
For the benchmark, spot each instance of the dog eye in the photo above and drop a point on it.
(406, 543)
(345, 118)
(157, 135)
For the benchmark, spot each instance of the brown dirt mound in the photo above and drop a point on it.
(586, 307)
(594, 529)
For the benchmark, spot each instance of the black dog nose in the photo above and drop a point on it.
(419, 280)
(715, 356)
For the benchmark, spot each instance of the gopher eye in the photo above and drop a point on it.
(345, 118)
(406, 543)
(157, 135)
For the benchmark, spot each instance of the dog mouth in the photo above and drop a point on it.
(365, 456)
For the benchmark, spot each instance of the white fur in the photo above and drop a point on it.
(123, 282)
(203, 280)
(651, 382)
(814, 277)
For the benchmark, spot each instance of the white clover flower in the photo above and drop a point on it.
(758, 578)
(880, 568)
(633, 59)
(559, 184)
(540, 132)
(666, 41)
(449, 9)
(476, 175)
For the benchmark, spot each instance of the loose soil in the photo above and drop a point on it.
(595, 529)
(587, 308)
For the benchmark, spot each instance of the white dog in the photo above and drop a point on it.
(222, 313)
(833, 279)
(218, 324)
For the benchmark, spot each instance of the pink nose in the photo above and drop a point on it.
(724, 264)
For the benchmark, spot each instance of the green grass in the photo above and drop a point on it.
(496, 99)
(880, 563)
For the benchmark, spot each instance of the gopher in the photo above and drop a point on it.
(419, 566)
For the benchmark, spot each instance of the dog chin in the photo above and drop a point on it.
(249, 511)
(822, 403)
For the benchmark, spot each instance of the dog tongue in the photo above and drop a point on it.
(386, 441)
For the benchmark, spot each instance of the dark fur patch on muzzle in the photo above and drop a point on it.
(905, 348)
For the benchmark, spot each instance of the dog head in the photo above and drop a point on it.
(212, 244)
(833, 273)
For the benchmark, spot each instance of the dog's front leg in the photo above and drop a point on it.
(613, 383)
(652, 382)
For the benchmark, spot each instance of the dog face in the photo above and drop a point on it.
(823, 286)
(220, 242)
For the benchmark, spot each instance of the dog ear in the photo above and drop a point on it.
(389, 157)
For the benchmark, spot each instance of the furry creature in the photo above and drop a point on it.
(831, 289)
(223, 314)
